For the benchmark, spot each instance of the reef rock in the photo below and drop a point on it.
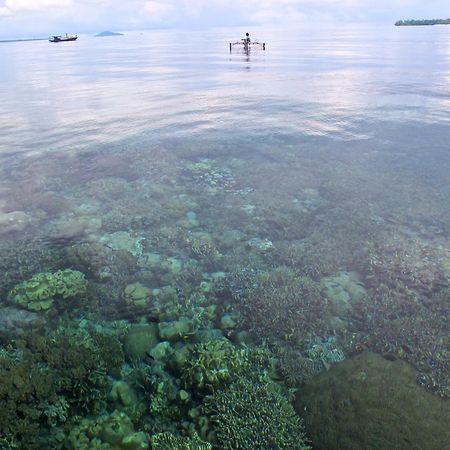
(343, 290)
(14, 321)
(14, 221)
(137, 294)
(368, 402)
(139, 340)
(122, 240)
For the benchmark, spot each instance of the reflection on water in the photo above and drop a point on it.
(189, 235)
(96, 90)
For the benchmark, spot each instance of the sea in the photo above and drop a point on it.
(233, 249)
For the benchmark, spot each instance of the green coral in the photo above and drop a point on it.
(46, 380)
(81, 363)
(176, 330)
(107, 432)
(26, 392)
(43, 289)
(249, 415)
(160, 390)
(168, 441)
(239, 404)
(216, 363)
(137, 294)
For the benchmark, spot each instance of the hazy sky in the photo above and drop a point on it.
(44, 17)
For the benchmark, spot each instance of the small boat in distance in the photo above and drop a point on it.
(67, 37)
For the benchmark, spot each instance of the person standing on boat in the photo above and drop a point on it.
(246, 41)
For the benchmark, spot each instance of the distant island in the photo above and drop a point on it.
(411, 22)
(108, 33)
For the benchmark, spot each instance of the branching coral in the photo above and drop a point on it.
(81, 373)
(169, 441)
(242, 407)
(160, 393)
(44, 380)
(408, 266)
(279, 304)
(26, 390)
(248, 415)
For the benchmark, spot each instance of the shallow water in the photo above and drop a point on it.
(323, 157)
(379, 92)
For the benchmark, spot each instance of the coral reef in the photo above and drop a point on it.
(140, 339)
(113, 431)
(26, 391)
(14, 221)
(279, 304)
(102, 263)
(197, 251)
(159, 391)
(326, 350)
(20, 260)
(78, 364)
(176, 330)
(45, 380)
(122, 240)
(211, 365)
(45, 288)
(201, 245)
(405, 328)
(294, 366)
(249, 415)
(234, 391)
(210, 175)
(168, 441)
(214, 364)
(15, 321)
(314, 257)
(343, 290)
(407, 265)
(137, 294)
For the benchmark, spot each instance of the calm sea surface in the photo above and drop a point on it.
(235, 181)
(338, 83)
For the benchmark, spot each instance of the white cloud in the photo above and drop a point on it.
(157, 9)
(5, 12)
(28, 17)
(18, 6)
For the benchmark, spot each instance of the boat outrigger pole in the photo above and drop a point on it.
(247, 45)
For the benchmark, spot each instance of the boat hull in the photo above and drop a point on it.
(63, 39)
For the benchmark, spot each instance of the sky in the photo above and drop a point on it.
(36, 18)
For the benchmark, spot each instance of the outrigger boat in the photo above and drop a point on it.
(66, 38)
(248, 44)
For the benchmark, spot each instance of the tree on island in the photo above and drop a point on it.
(409, 22)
